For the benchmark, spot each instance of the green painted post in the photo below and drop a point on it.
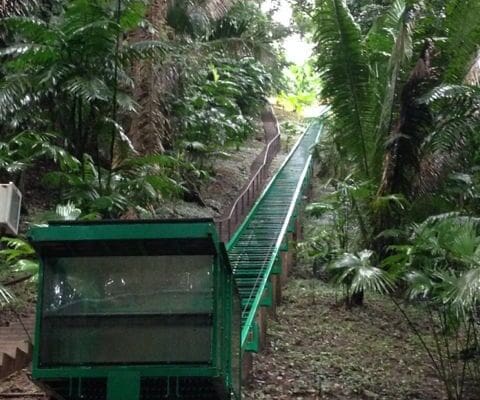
(123, 385)
(267, 299)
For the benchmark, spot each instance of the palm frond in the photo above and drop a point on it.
(120, 132)
(67, 212)
(450, 219)
(463, 36)
(16, 248)
(463, 292)
(356, 272)
(382, 36)
(89, 88)
(15, 94)
(6, 296)
(344, 68)
(419, 285)
(371, 279)
(145, 49)
(399, 22)
(460, 93)
(29, 28)
(448, 239)
(456, 107)
(20, 49)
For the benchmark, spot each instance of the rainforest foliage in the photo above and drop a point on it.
(402, 160)
(110, 108)
(116, 99)
(116, 105)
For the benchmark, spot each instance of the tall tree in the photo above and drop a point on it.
(385, 124)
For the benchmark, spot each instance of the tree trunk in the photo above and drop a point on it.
(402, 159)
(356, 299)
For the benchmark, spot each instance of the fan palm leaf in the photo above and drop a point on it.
(359, 275)
(419, 285)
(463, 292)
(6, 296)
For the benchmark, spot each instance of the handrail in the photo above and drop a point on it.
(227, 226)
(254, 298)
(261, 283)
(232, 241)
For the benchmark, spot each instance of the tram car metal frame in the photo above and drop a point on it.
(136, 310)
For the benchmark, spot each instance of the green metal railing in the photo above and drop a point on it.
(255, 247)
(227, 226)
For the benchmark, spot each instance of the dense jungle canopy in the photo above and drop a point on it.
(120, 108)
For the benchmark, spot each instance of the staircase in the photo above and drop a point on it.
(15, 345)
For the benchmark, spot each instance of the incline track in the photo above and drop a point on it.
(255, 247)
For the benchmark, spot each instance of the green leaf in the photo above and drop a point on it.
(6, 296)
(15, 248)
(345, 72)
(358, 274)
(25, 265)
(463, 36)
(103, 203)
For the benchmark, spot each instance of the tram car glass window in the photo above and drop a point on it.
(136, 310)
(147, 308)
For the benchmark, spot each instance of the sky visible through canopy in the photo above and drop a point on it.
(297, 50)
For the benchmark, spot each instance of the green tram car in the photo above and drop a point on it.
(132, 310)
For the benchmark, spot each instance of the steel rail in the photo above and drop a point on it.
(232, 241)
(273, 255)
(239, 207)
(269, 252)
(244, 240)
